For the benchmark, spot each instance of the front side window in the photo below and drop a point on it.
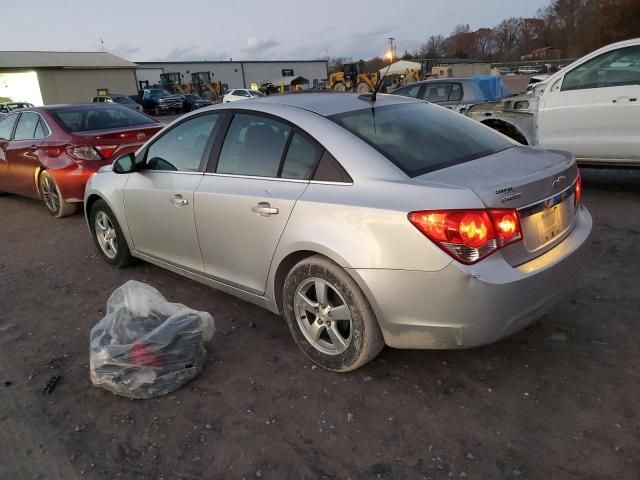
(181, 149)
(6, 126)
(301, 158)
(611, 69)
(253, 146)
(420, 138)
(26, 126)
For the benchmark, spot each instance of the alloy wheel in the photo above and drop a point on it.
(323, 316)
(50, 194)
(106, 235)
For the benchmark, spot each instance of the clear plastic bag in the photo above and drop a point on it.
(145, 346)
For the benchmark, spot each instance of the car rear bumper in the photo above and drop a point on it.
(72, 180)
(465, 306)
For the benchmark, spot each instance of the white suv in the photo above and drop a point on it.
(241, 94)
(590, 108)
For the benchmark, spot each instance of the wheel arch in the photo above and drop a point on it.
(289, 260)
(506, 128)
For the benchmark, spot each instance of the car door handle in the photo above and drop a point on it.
(264, 209)
(178, 201)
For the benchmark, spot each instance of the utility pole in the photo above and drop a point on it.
(392, 49)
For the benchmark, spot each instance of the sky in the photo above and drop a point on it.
(243, 30)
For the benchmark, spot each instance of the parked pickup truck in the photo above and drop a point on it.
(590, 108)
(158, 101)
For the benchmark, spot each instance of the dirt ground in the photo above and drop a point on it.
(558, 400)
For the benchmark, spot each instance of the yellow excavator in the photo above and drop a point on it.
(352, 77)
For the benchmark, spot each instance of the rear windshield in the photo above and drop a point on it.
(421, 138)
(101, 116)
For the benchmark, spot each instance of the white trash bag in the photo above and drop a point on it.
(145, 346)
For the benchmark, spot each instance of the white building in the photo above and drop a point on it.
(235, 74)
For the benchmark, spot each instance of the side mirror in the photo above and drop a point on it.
(125, 164)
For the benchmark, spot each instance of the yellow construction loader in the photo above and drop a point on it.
(352, 77)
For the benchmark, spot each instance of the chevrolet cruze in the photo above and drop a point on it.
(363, 221)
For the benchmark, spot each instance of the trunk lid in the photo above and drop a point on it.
(540, 184)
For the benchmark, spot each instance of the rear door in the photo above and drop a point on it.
(22, 154)
(7, 125)
(244, 201)
(594, 110)
(158, 200)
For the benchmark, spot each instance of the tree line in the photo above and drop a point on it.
(571, 27)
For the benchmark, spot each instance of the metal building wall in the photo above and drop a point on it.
(233, 74)
(79, 86)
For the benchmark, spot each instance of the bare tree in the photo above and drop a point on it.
(433, 48)
(507, 34)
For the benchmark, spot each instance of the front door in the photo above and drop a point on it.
(159, 199)
(243, 205)
(22, 153)
(6, 132)
(594, 110)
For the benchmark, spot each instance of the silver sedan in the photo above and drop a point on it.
(362, 221)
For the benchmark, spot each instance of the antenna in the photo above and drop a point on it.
(375, 92)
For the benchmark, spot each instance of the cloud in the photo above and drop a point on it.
(192, 53)
(125, 50)
(258, 46)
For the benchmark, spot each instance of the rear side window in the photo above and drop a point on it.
(421, 138)
(27, 126)
(253, 146)
(99, 117)
(6, 126)
(301, 158)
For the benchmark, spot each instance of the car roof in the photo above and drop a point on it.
(332, 103)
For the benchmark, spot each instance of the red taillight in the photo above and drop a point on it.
(100, 152)
(578, 195)
(106, 150)
(468, 235)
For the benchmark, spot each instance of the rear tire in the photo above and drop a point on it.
(329, 317)
(157, 112)
(108, 235)
(52, 198)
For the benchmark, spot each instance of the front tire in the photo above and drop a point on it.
(329, 317)
(108, 235)
(52, 198)
(363, 87)
(339, 87)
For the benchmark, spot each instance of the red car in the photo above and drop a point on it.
(50, 152)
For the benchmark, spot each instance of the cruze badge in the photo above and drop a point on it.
(558, 181)
(510, 192)
(141, 136)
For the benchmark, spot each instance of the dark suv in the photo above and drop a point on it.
(158, 101)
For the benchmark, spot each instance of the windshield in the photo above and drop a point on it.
(193, 97)
(256, 93)
(123, 100)
(159, 94)
(104, 116)
(421, 138)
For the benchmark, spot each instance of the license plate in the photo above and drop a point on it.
(544, 227)
(550, 224)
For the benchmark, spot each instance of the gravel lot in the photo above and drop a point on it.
(558, 400)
